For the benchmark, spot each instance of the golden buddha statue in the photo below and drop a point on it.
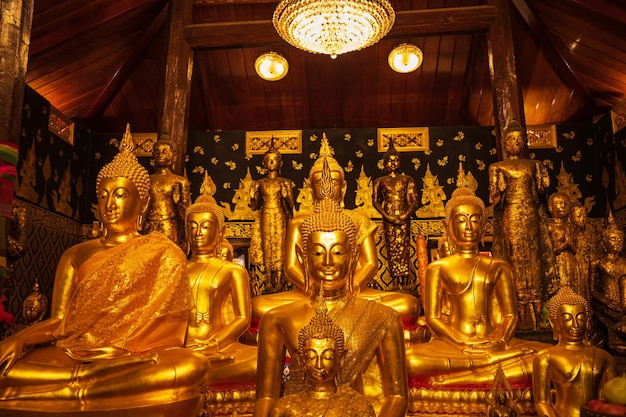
(328, 253)
(273, 197)
(516, 187)
(169, 195)
(320, 354)
(395, 198)
(34, 309)
(584, 241)
(562, 244)
(571, 373)
(608, 287)
(221, 295)
(118, 320)
(325, 170)
(433, 197)
(363, 197)
(470, 309)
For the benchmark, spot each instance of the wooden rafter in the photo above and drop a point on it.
(408, 23)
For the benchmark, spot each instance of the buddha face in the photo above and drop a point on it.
(272, 161)
(321, 360)
(329, 259)
(203, 232)
(572, 322)
(579, 216)
(339, 185)
(514, 142)
(559, 206)
(613, 241)
(119, 204)
(392, 163)
(31, 310)
(465, 224)
(163, 154)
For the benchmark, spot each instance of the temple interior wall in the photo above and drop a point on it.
(56, 179)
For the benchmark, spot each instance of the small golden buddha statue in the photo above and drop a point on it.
(326, 170)
(571, 373)
(562, 244)
(584, 241)
(328, 253)
(470, 336)
(608, 286)
(221, 294)
(516, 187)
(395, 198)
(169, 195)
(433, 197)
(273, 197)
(34, 309)
(320, 353)
(118, 319)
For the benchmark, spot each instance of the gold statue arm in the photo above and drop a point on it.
(505, 293)
(495, 190)
(411, 200)
(185, 198)
(541, 385)
(11, 348)
(271, 359)
(367, 263)
(293, 269)
(256, 199)
(542, 178)
(392, 357)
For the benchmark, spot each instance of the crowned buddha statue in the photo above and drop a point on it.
(328, 252)
(34, 309)
(469, 306)
(321, 349)
(221, 293)
(570, 373)
(367, 262)
(433, 197)
(118, 320)
(169, 195)
(516, 188)
(395, 198)
(272, 196)
(608, 287)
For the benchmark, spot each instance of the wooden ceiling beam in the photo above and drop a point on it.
(408, 23)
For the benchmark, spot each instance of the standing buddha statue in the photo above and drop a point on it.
(516, 189)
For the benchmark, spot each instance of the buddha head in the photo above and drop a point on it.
(464, 215)
(321, 348)
(578, 215)
(328, 249)
(205, 222)
(612, 236)
(272, 159)
(391, 159)
(336, 173)
(164, 151)
(35, 306)
(559, 205)
(123, 188)
(515, 140)
(569, 315)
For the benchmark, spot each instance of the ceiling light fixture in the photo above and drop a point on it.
(271, 66)
(333, 27)
(405, 58)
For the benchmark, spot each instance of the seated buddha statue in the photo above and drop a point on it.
(321, 349)
(328, 252)
(470, 308)
(571, 373)
(367, 262)
(118, 320)
(221, 295)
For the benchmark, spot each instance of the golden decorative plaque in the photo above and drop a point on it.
(618, 116)
(144, 142)
(405, 139)
(61, 126)
(541, 136)
(286, 141)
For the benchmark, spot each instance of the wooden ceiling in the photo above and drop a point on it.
(102, 63)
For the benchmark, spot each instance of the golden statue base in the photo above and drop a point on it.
(237, 401)
(181, 407)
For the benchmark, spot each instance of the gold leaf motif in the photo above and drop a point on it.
(478, 146)
(313, 155)
(296, 165)
(226, 185)
(198, 149)
(359, 154)
(97, 155)
(214, 161)
(347, 137)
(460, 136)
(370, 142)
(380, 164)
(216, 138)
(313, 138)
(481, 165)
(416, 163)
(577, 156)
(443, 161)
(493, 151)
(235, 146)
(199, 169)
(349, 167)
(231, 164)
(439, 142)
(589, 141)
(589, 178)
(559, 149)
(462, 158)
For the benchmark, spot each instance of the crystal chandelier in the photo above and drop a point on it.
(333, 27)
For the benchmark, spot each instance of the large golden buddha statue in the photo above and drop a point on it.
(470, 309)
(367, 262)
(516, 189)
(571, 373)
(328, 253)
(118, 320)
(221, 295)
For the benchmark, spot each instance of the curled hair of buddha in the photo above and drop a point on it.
(513, 126)
(565, 296)
(206, 203)
(328, 221)
(463, 195)
(391, 150)
(326, 154)
(164, 139)
(126, 165)
(321, 327)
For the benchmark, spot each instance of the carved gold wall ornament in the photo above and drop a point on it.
(618, 117)
(541, 136)
(286, 141)
(406, 139)
(61, 126)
